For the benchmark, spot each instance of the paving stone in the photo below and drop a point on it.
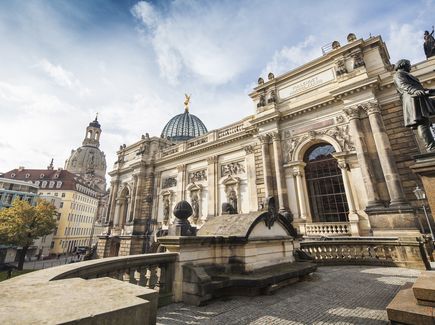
(332, 295)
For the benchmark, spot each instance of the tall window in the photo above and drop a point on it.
(325, 185)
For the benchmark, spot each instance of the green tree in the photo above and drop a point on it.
(22, 223)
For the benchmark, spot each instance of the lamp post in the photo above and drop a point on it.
(421, 195)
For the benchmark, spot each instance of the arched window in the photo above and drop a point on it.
(325, 185)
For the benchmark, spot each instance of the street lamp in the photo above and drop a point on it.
(420, 195)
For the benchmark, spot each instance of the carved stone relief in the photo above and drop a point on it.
(200, 175)
(169, 182)
(340, 133)
(232, 169)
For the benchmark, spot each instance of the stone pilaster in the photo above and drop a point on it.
(212, 176)
(279, 170)
(251, 175)
(267, 171)
(113, 193)
(181, 182)
(385, 153)
(353, 215)
(298, 174)
(353, 113)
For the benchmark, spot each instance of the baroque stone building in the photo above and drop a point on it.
(325, 139)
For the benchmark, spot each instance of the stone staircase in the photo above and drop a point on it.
(415, 303)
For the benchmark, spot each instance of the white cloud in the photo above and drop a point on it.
(405, 42)
(291, 57)
(146, 13)
(197, 40)
(62, 77)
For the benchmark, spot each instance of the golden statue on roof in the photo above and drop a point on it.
(186, 102)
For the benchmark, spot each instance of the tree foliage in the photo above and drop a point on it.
(22, 223)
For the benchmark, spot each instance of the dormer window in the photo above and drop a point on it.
(41, 176)
(12, 175)
(27, 175)
(56, 175)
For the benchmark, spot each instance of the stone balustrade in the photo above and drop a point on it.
(386, 252)
(197, 141)
(115, 290)
(154, 271)
(328, 229)
(230, 130)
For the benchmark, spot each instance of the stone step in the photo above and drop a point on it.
(424, 289)
(403, 309)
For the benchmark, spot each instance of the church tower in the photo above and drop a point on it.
(89, 161)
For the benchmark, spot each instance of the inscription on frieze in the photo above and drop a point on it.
(307, 84)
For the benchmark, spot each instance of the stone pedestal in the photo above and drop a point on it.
(424, 167)
(386, 222)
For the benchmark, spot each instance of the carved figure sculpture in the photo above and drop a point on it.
(195, 208)
(429, 44)
(232, 199)
(166, 209)
(417, 106)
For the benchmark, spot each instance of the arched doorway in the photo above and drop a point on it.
(325, 186)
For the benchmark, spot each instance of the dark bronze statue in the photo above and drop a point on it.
(417, 106)
(429, 44)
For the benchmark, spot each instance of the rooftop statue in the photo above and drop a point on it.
(417, 106)
(429, 43)
(186, 101)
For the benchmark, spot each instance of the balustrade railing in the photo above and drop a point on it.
(230, 130)
(328, 229)
(155, 271)
(367, 252)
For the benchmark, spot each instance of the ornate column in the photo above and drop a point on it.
(353, 113)
(279, 170)
(352, 216)
(250, 173)
(298, 173)
(267, 172)
(212, 176)
(385, 153)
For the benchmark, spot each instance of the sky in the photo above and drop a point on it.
(132, 61)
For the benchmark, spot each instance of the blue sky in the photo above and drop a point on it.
(63, 61)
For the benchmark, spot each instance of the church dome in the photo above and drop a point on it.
(88, 160)
(183, 127)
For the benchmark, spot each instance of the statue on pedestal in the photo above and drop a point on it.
(429, 44)
(417, 106)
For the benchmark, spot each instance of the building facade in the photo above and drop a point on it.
(326, 140)
(14, 189)
(78, 206)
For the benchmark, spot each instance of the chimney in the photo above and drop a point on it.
(21, 168)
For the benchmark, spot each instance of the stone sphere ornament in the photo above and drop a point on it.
(183, 210)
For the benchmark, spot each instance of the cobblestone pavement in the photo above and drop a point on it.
(332, 295)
